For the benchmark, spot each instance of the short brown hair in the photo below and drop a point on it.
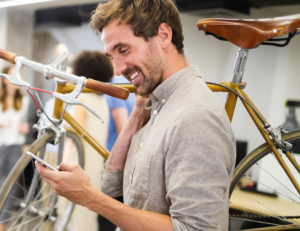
(18, 98)
(94, 65)
(143, 16)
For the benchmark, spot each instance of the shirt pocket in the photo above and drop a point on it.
(141, 177)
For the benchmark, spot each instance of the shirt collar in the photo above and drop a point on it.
(167, 87)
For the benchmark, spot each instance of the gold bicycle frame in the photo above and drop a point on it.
(229, 107)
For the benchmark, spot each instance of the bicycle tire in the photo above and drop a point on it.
(249, 218)
(17, 173)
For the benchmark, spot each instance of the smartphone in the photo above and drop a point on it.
(41, 161)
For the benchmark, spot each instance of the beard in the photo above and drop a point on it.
(153, 71)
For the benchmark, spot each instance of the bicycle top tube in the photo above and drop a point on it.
(249, 33)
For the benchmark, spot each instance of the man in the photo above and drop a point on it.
(174, 159)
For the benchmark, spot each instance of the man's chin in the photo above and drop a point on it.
(142, 92)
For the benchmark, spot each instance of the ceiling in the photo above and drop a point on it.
(77, 11)
(238, 6)
(182, 4)
(55, 3)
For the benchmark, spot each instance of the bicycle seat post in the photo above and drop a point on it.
(239, 67)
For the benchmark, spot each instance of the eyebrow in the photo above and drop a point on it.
(119, 45)
(116, 47)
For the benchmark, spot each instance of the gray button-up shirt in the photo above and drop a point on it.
(181, 162)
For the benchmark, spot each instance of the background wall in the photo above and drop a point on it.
(16, 33)
(3, 29)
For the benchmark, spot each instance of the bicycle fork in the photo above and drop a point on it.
(35, 181)
(58, 162)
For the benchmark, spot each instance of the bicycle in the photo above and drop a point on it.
(35, 206)
(279, 144)
(248, 34)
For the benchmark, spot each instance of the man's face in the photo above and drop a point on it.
(139, 61)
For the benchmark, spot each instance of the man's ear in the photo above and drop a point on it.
(165, 35)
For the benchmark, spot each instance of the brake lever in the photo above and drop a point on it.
(71, 98)
(15, 79)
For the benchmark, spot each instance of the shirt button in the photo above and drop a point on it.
(155, 112)
(131, 177)
(163, 100)
(141, 144)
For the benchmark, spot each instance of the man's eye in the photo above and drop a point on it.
(123, 51)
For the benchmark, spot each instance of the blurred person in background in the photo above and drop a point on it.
(94, 65)
(119, 111)
(13, 114)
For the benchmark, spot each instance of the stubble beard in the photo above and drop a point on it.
(153, 64)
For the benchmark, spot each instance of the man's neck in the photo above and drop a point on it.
(174, 62)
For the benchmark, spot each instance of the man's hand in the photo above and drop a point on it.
(72, 182)
(139, 109)
(138, 118)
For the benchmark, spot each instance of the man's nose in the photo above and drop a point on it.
(119, 66)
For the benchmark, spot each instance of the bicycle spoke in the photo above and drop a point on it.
(40, 191)
(278, 181)
(266, 207)
(26, 222)
(272, 189)
(38, 225)
(255, 221)
(259, 212)
(9, 219)
(18, 228)
(25, 191)
(13, 197)
(26, 227)
(279, 227)
(21, 215)
(43, 198)
(9, 212)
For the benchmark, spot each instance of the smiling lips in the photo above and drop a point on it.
(132, 77)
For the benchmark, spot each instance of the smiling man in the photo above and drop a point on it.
(174, 159)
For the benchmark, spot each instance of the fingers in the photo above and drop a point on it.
(49, 176)
(68, 167)
(45, 172)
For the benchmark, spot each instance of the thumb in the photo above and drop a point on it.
(66, 167)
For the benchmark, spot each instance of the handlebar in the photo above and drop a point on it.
(105, 88)
(50, 71)
(8, 56)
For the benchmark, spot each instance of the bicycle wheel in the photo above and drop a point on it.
(29, 203)
(262, 197)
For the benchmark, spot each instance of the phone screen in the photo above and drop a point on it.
(41, 161)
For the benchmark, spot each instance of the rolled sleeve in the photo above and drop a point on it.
(199, 166)
(112, 183)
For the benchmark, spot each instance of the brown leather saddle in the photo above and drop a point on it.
(249, 33)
